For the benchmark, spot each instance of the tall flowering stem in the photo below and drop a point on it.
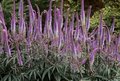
(5, 41)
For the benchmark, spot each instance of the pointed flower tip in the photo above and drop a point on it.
(82, 1)
(113, 25)
(90, 6)
(4, 32)
(45, 11)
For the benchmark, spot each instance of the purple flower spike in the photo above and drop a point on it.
(60, 25)
(45, 26)
(103, 38)
(57, 27)
(66, 25)
(100, 29)
(36, 30)
(108, 36)
(77, 31)
(21, 19)
(39, 20)
(88, 18)
(61, 8)
(31, 12)
(32, 18)
(49, 20)
(82, 13)
(92, 56)
(2, 21)
(113, 26)
(72, 24)
(20, 13)
(119, 39)
(19, 57)
(83, 21)
(13, 20)
(55, 23)
(5, 42)
(83, 61)
(77, 49)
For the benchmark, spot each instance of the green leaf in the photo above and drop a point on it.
(38, 73)
(5, 78)
(65, 70)
(9, 79)
(53, 69)
(57, 77)
(103, 78)
(45, 72)
(49, 75)
(34, 75)
(15, 78)
(30, 74)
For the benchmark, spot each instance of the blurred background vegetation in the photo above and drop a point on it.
(110, 8)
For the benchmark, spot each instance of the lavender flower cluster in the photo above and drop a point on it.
(59, 32)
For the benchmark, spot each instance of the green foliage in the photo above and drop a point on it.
(112, 9)
(53, 67)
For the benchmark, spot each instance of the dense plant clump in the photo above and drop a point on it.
(52, 47)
